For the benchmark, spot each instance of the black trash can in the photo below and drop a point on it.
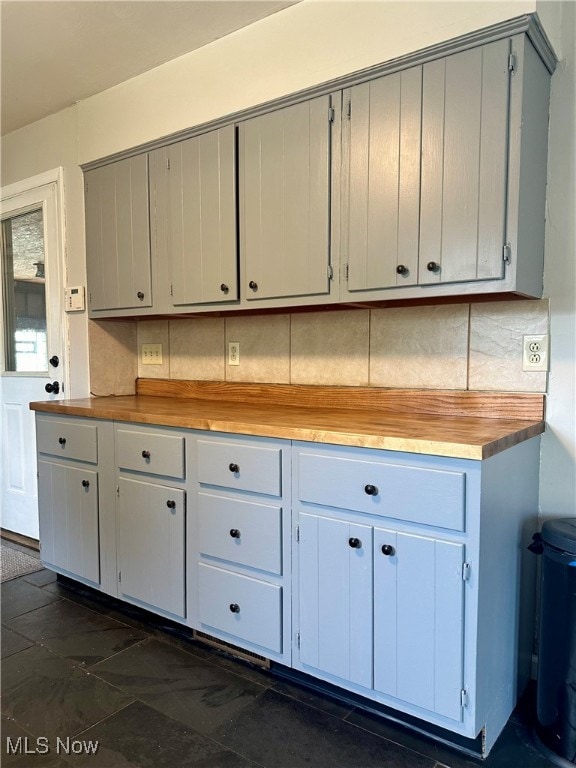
(556, 684)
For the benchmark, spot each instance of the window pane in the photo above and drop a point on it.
(24, 289)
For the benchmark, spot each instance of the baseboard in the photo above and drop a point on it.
(18, 538)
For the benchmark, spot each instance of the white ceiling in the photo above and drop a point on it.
(56, 52)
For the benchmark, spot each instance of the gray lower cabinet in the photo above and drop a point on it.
(151, 518)
(407, 587)
(118, 237)
(71, 468)
(239, 543)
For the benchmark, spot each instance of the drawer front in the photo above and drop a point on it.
(241, 606)
(241, 532)
(416, 494)
(67, 439)
(154, 454)
(241, 467)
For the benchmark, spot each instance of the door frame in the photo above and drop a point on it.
(55, 286)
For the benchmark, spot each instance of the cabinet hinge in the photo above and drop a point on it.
(466, 571)
(507, 253)
(349, 109)
(512, 63)
(330, 272)
(118, 491)
(331, 114)
(463, 698)
(171, 290)
(167, 163)
(119, 576)
(297, 533)
(346, 271)
(298, 639)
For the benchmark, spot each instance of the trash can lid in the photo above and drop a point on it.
(561, 533)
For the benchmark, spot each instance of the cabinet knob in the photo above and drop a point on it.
(54, 361)
(234, 607)
(234, 468)
(146, 455)
(224, 288)
(355, 543)
(85, 483)
(171, 504)
(53, 387)
(433, 266)
(252, 285)
(371, 490)
(235, 533)
(401, 269)
(62, 441)
(140, 295)
(388, 550)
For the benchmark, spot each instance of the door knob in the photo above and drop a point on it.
(54, 361)
(53, 387)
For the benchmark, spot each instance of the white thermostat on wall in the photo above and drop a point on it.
(74, 299)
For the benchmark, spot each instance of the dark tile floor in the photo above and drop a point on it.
(78, 670)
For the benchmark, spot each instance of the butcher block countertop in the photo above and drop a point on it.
(458, 424)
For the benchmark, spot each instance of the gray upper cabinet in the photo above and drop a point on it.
(193, 188)
(118, 235)
(465, 106)
(383, 184)
(285, 173)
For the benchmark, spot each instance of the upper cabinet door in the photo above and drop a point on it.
(118, 235)
(383, 190)
(198, 202)
(465, 108)
(285, 192)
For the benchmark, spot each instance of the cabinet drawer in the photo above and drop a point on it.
(155, 454)
(241, 606)
(241, 532)
(417, 494)
(242, 467)
(67, 439)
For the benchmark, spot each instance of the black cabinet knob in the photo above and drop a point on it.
(140, 295)
(433, 266)
(62, 441)
(252, 285)
(371, 490)
(54, 361)
(234, 468)
(401, 269)
(171, 504)
(235, 533)
(146, 455)
(355, 543)
(234, 607)
(224, 288)
(85, 483)
(388, 550)
(53, 387)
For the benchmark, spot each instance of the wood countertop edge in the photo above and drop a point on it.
(408, 444)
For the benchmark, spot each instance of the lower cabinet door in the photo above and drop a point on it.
(151, 560)
(419, 620)
(68, 512)
(335, 597)
(247, 608)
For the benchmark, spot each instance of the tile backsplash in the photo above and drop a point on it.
(458, 346)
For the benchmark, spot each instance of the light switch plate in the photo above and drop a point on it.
(151, 354)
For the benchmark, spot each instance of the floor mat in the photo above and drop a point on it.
(15, 563)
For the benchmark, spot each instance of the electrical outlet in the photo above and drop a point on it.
(233, 353)
(151, 354)
(535, 353)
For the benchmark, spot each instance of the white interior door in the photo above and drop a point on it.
(33, 338)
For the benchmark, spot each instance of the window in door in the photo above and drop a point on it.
(24, 292)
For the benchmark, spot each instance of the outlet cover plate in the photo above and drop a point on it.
(535, 352)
